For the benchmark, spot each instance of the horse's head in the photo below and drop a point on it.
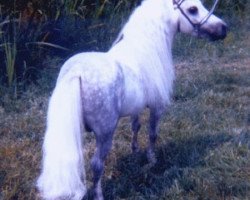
(195, 19)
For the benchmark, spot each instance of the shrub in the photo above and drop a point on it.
(34, 32)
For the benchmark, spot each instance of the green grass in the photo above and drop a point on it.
(203, 149)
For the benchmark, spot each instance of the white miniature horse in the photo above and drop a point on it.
(94, 90)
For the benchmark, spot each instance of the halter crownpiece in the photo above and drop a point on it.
(197, 26)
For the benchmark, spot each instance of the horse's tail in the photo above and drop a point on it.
(63, 172)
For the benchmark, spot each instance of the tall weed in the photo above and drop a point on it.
(10, 58)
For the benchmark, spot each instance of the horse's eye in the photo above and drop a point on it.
(193, 10)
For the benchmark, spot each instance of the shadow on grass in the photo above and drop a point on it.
(138, 179)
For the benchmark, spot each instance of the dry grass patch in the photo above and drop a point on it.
(203, 149)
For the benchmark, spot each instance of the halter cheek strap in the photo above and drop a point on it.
(177, 5)
(178, 27)
(196, 26)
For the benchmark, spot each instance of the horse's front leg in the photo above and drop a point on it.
(155, 115)
(103, 146)
(135, 129)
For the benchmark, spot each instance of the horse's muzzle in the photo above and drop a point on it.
(219, 32)
(215, 32)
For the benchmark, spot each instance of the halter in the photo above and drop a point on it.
(196, 26)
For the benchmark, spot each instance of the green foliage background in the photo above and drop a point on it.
(57, 29)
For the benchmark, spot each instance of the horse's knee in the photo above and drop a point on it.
(136, 125)
(135, 128)
(97, 167)
(103, 146)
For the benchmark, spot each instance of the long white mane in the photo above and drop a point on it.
(144, 47)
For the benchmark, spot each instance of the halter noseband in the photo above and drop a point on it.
(196, 26)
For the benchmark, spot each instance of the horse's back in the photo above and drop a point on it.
(83, 62)
(97, 70)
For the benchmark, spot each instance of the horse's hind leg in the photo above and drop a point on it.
(153, 124)
(103, 146)
(135, 129)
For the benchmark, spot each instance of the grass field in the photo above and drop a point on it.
(203, 149)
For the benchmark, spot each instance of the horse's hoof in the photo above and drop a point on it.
(151, 157)
(135, 149)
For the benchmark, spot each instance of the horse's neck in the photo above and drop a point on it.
(145, 43)
(149, 30)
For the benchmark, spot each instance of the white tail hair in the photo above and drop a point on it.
(63, 174)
